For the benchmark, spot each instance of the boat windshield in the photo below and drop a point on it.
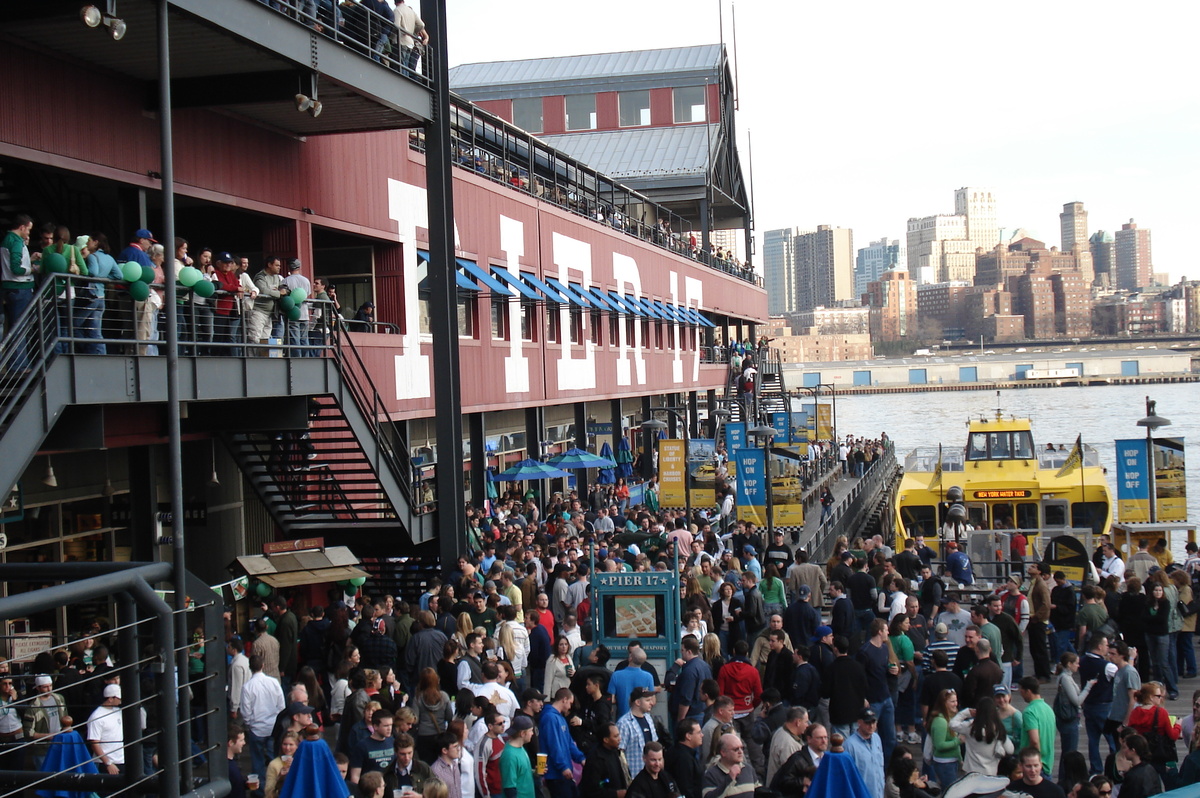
(923, 460)
(1058, 458)
(1015, 445)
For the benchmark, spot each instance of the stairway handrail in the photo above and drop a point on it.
(27, 350)
(357, 379)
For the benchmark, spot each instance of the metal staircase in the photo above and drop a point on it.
(772, 391)
(345, 476)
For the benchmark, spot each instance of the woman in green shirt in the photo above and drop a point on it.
(774, 595)
(904, 697)
(943, 744)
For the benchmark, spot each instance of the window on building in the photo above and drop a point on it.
(634, 107)
(581, 111)
(553, 323)
(466, 316)
(689, 104)
(528, 319)
(499, 318)
(527, 114)
(576, 318)
(597, 330)
(614, 330)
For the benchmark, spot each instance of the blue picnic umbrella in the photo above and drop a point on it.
(530, 469)
(67, 753)
(578, 458)
(624, 458)
(607, 475)
(314, 774)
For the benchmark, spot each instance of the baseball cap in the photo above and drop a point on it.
(749, 550)
(1000, 690)
(847, 555)
(640, 692)
(868, 714)
(112, 691)
(296, 708)
(43, 680)
(804, 592)
(521, 723)
(225, 257)
(478, 594)
(532, 694)
(941, 629)
(294, 264)
(144, 233)
(82, 241)
(822, 631)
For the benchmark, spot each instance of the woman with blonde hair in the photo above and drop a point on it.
(278, 768)
(943, 741)
(1186, 661)
(710, 650)
(463, 627)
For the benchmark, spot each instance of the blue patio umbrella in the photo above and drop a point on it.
(624, 458)
(314, 774)
(530, 469)
(578, 458)
(607, 476)
(67, 753)
(491, 483)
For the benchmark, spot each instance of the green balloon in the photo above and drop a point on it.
(299, 295)
(286, 303)
(263, 589)
(139, 290)
(60, 287)
(358, 581)
(189, 276)
(204, 288)
(148, 275)
(294, 314)
(131, 271)
(54, 263)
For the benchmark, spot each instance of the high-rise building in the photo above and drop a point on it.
(824, 266)
(1073, 226)
(1133, 265)
(875, 259)
(939, 250)
(893, 307)
(978, 206)
(779, 270)
(1104, 257)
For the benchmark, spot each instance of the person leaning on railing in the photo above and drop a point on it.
(89, 318)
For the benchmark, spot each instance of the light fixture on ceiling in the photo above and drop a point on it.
(50, 480)
(214, 481)
(93, 17)
(309, 102)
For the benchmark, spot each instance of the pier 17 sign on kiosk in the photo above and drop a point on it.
(641, 606)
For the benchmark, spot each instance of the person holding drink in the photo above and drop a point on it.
(559, 668)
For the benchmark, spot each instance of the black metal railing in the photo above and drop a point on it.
(853, 504)
(487, 146)
(365, 31)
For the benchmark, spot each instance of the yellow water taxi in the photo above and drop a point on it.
(1003, 481)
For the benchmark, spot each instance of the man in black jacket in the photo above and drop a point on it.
(845, 687)
(653, 781)
(605, 774)
(683, 758)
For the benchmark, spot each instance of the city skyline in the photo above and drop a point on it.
(1123, 147)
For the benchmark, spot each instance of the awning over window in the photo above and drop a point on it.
(549, 292)
(494, 285)
(630, 308)
(463, 281)
(572, 297)
(605, 303)
(516, 282)
(649, 311)
(669, 312)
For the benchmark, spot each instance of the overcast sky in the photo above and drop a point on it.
(863, 114)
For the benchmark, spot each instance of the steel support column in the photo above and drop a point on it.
(477, 431)
(581, 442)
(443, 300)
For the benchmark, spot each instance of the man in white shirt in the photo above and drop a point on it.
(239, 674)
(262, 701)
(501, 697)
(1113, 564)
(106, 732)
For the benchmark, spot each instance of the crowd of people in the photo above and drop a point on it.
(244, 311)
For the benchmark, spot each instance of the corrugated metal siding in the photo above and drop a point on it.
(259, 527)
(641, 152)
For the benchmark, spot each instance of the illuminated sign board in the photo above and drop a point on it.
(1003, 494)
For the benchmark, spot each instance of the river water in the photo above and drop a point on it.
(1101, 414)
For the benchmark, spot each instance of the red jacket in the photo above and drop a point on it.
(739, 680)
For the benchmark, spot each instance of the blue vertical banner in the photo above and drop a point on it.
(1133, 481)
(783, 427)
(735, 441)
(752, 486)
